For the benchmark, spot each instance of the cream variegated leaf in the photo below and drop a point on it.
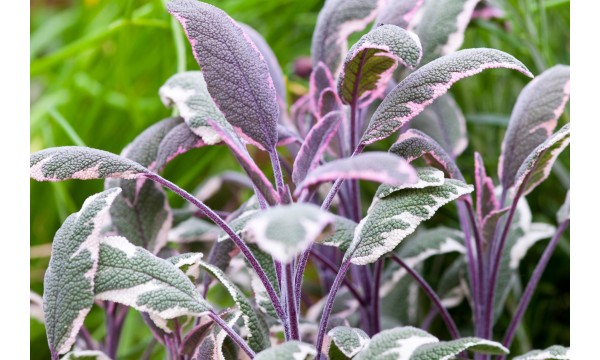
(342, 234)
(428, 176)
(397, 343)
(86, 355)
(289, 350)
(286, 231)
(447, 350)
(555, 352)
(391, 219)
(347, 341)
(134, 277)
(71, 275)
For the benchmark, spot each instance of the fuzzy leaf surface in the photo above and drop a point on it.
(349, 341)
(179, 140)
(391, 219)
(533, 119)
(555, 352)
(395, 344)
(342, 235)
(237, 76)
(422, 87)
(446, 350)
(371, 62)
(428, 176)
(399, 12)
(69, 279)
(289, 350)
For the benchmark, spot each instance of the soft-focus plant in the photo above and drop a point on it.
(113, 253)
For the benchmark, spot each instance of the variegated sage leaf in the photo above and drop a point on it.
(258, 334)
(536, 167)
(346, 342)
(237, 76)
(286, 231)
(533, 119)
(217, 345)
(382, 167)
(78, 162)
(485, 198)
(397, 343)
(450, 349)
(342, 234)
(445, 123)
(371, 62)
(314, 146)
(414, 144)
(337, 20)
(429, 82)
(134, 277)
(188, 263)
(188, 92)
(442, 27)
(289, 350)
(86, 355)
(564, 213)
(428, 176)
(142, 213)
(69, 279)
(391, 219)
(399, 13)
(555, 352)
(178, 141)
(193, 230)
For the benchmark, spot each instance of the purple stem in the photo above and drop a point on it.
(480, 254)
(328, 264)
(277, 172)
(432, 296)
(329, 305)
(291, 302)
(532, 284)
(236, 239)
(84, 334)
(375, 313)
(234, 336)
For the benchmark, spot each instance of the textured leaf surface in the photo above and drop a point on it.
(414, 144)
(217, 345)
(395, 344)
(188, 263)
(337, 20)
(315, 144)
(69, 279)
(188, 92)
(429, 82)
(399, 12)
(328, 102)
(447, 350)
(320, 79)
(85, 355)
(349, 341)
(536, 167)
(342, 234)
(445, 123)
(555, 352)
(178, 141)
(236, 73)
(428, 176)
(442, 27)
(258, 334)
(564, 213)
(289, 350)
(134, 277)
(533, 119)
(391, 219)
(373, 166)
(192, 230)
(286, 231)
(78, 162)
(370, 63)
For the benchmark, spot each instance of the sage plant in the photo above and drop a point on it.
(113, 253)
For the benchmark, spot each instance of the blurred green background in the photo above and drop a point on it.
(96, 67)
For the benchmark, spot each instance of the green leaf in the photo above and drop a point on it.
(450, 349)
(555, 352)
(391, 219)
(371, 62)
(286, 231)
(77, 162)
(428, 176)
(395, 344)
(69, 279)
(132, 276)
(217, 345)
(289, 350)
(342, 235)
(346, 341)
(189, 264)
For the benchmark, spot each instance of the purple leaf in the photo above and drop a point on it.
(178, 141)
(536, 168)
(311, 152)
(533, 119)
(445, 123)
(337, 20)
(301, 116)
(371, 62)
(286, 136)
(78, 162)
(236, 74)
(381, 167)
(442, 26)
(486, 201)
(329, 102)
(399, 12)
(413, 144)
(428, 83)
(320, 79)
(241, 154)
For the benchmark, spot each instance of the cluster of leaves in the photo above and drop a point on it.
(113, 251)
